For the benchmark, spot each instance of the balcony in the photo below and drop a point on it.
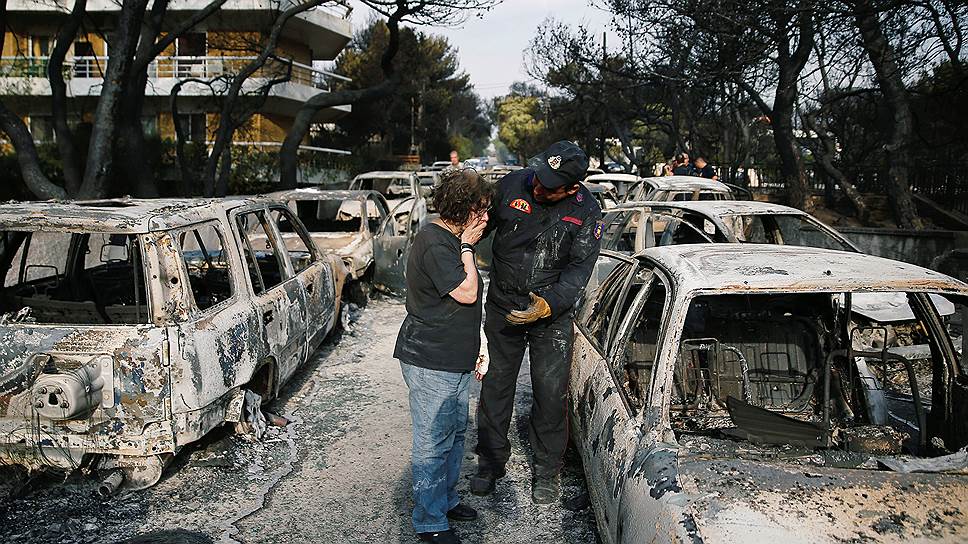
(325, 29)
(27, 77)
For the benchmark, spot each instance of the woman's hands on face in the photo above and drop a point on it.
(475, 229)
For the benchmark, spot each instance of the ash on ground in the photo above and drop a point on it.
(339, 472)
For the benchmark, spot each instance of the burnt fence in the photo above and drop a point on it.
(945, 185)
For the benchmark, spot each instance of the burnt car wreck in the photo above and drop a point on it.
(131, 328)
(731, 393)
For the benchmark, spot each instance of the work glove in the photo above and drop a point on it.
(538, 309)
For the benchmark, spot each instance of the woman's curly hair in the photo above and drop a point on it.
(461, 192)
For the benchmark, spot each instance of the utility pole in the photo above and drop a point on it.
(601, 98)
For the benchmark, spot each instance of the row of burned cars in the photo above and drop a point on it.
(130, 328)
(743, 373)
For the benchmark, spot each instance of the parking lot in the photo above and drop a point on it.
(340, 472)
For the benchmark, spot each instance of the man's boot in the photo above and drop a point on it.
(546, 489)
(484, 481)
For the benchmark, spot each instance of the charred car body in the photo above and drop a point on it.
(343, 223)
(729, 393)
(133, 327)
(678, 188)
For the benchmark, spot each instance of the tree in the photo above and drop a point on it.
(519, 126)
(437, 12)
(435, 106)
(114, 159)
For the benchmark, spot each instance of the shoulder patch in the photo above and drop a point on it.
(599, 229)
(579, 197)
(521, 205)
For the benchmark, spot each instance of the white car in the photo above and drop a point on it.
(730, 393)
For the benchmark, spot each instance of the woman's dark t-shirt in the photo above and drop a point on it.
(438, 333)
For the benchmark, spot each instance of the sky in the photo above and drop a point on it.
(491, 48)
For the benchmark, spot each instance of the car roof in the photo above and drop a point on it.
(386, 174)
(750, 268)
(686, 182)
(598, 178)
(315, 193)
(718, 208)
(121, 215)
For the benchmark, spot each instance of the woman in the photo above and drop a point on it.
(438, 347)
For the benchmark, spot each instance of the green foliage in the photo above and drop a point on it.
(434, 95)
(519, 126)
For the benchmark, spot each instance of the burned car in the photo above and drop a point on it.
(342, 223)
(619, 181)
(131, 328)
(678, 188)
(634, 226)
(730, 393)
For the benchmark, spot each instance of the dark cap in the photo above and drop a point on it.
(562, 164)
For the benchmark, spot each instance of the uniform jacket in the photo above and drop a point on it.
(549, 249)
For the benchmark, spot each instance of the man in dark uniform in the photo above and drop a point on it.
(547, 230)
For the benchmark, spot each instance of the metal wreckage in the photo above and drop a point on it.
(130, 328)
(732, 393)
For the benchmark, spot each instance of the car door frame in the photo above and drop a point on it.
(600, 410)
(391, 251)
(646, 508)
(283, 304)
(318, 281)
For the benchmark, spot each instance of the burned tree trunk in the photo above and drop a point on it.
(288, 157)
(825, 151)
(887, 72)
(99, 171)
(70, 161)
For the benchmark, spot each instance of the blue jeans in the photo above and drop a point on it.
(438, 408)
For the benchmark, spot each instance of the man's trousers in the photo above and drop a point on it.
(550, 344)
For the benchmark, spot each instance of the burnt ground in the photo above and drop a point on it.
(338, 473)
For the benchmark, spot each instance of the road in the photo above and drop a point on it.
(338, 473)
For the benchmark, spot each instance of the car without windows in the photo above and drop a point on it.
(131, 328)
(341, 223)
(621, 182)
(498, 171)
(730, 393)
(678, 188)
(604, 194)
(632, 227)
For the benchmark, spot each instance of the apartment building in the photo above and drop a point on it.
(219, 46)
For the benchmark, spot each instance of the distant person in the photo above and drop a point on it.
(439, 345)
(705, 170)
(454, 159)
(682, 167)
(668, 167)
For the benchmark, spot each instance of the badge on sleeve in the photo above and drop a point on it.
(599, 230)
(521, 205)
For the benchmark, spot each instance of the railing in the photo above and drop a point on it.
(279, 144)
(174, 67)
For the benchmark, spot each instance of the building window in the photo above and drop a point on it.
(187, 47)
(85, 61)
(41, 128)
(194, 126)
(40, 46)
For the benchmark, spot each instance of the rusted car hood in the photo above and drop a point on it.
(771, 502)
